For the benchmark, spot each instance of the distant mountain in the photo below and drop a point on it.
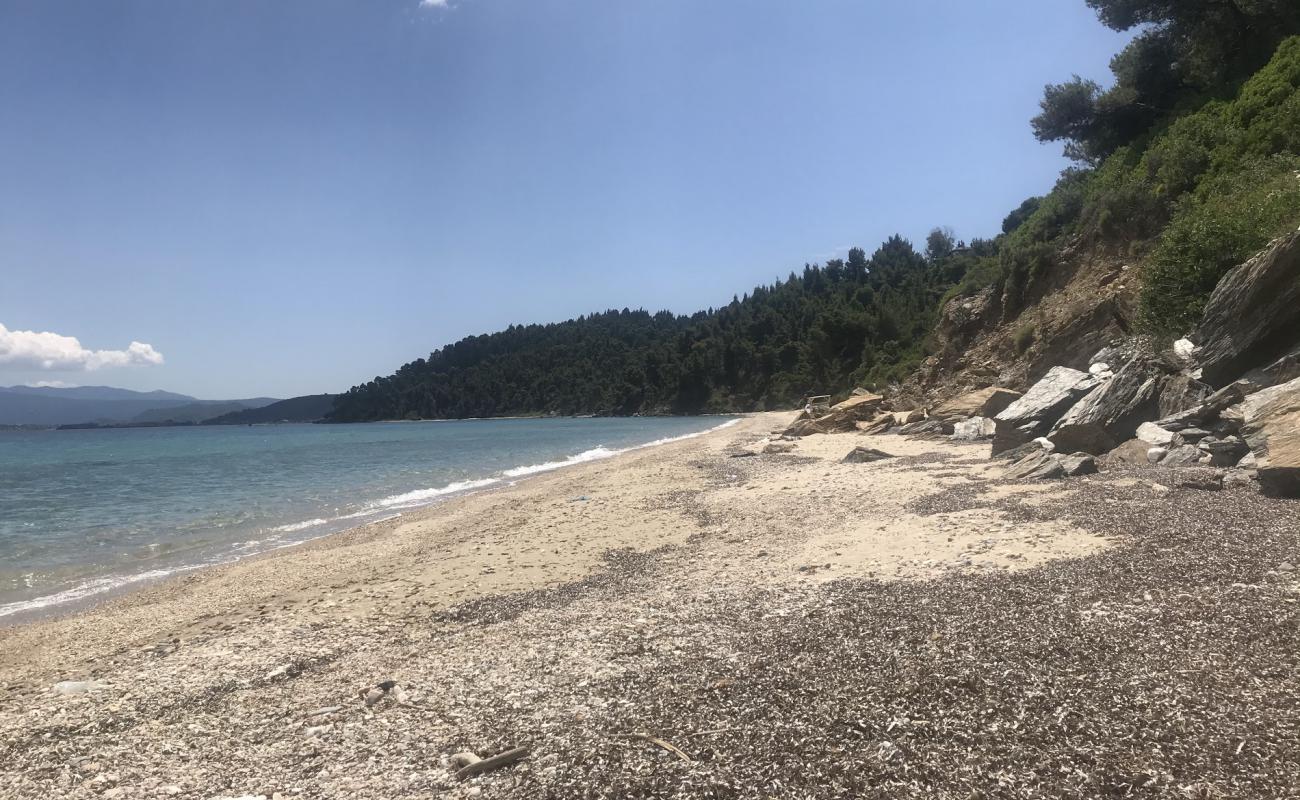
(310, 408)
(158, 397)
(201, 410)
(47, 405)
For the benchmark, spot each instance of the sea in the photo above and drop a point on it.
(86, 512)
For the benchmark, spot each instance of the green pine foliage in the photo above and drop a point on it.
(855, 321)
(1190, 199)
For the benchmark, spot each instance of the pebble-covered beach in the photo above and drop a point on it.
(704, 619)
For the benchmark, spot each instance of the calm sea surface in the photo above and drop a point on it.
(85, 512)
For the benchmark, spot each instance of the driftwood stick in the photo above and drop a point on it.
(493, 762)
(655, 740)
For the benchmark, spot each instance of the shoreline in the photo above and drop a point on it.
(88, 595)
(881, 615)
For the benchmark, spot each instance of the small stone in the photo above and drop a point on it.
(1286, 566)
(78, 687)
(1156, 454)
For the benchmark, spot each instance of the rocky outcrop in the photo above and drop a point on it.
(1272, 429)
(1253, 315)
(988, 402)
(840, 418)
(1038, 410)
(1112, 412)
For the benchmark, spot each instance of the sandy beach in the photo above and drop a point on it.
(703, 619)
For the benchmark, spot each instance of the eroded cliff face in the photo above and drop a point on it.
(1226, 398)
(1090, 303)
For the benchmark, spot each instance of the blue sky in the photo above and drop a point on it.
(278, 198)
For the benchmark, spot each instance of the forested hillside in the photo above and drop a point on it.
(1186, 165)
(859, 320)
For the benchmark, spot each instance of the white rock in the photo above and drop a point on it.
(1153, 434)
(1156, 453)
(1045, 443)
(1185, 349)
(78, 687)
(1100, 368)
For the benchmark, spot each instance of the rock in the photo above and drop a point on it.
(980, 403)
(1223, 452)
(804, 427)
(1034, 414)
(1184, 456)
(1091, 438)
(1045, 443)
(1077, 464)
(1286, 566)
(1208, 480)
(1207, 412)
(1113, 411)
(774, 448)
(1036, 466)
(1247, 461)
(1253, 314)
(840, 418)
(1189, 436)
(1156, 454)
(1134, 451)
(1153, 434)
(860, 406)
(882, 422)
(78, 687)
(908, 417)
(1016, 453)
(859, 392)
(1238, 479)
(1100, 369)
(1284, 370)
(932, 428)
(974, 429)
(1185, 349)
(864, 455)
(1272, 430)
(1179, 392)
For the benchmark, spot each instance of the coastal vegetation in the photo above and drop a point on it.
(1186, 165)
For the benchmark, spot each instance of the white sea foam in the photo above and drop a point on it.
(300, 526)
(594, 454)
(423, 496)
(89, 589)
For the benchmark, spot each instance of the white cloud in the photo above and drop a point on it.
(435, 4)
(55, 352)
(50, 385)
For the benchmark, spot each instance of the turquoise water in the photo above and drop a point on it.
(85, 512)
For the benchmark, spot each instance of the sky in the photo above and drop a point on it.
(239, 198)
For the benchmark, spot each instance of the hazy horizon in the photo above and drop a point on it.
(247, 199)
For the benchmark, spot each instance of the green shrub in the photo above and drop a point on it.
(1225, 222)
(1024, 338)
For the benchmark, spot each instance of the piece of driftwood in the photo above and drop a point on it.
(655, 740)
(497, 761)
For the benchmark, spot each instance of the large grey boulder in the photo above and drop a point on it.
(1272, 429)
(1112, 412)
(1253, 315)
(1035, 413)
